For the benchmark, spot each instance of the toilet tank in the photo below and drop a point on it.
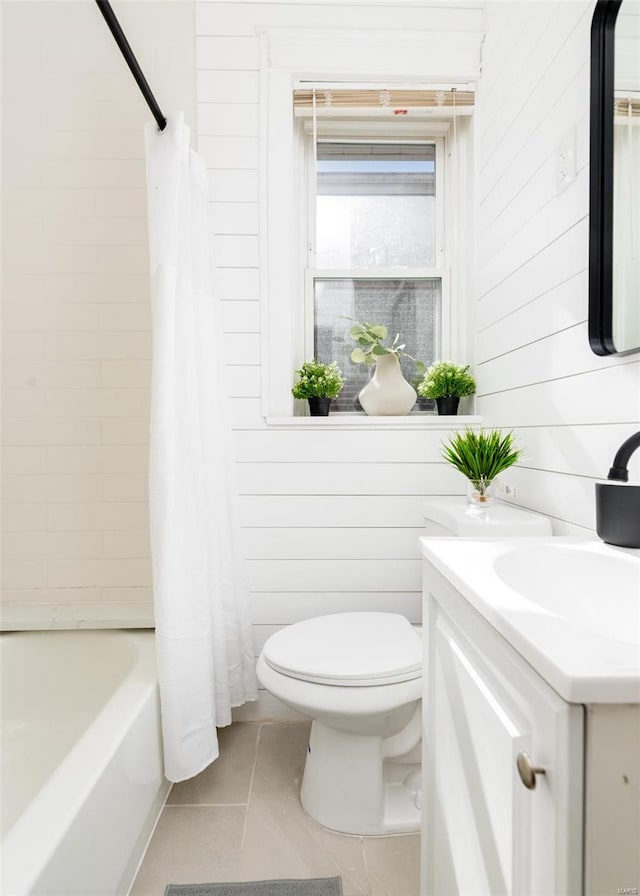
(452, 516)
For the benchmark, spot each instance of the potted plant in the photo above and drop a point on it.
(481, 456)
(318, 383)
(387, 393)
(447, 383)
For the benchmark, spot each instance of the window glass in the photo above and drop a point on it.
(375, 205)
(408, 307)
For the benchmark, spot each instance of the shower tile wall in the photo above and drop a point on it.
(76, 317)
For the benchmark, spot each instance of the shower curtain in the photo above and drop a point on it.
(203, 629)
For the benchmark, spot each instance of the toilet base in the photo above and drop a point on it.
(348, 785)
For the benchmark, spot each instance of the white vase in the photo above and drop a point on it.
(387, 394)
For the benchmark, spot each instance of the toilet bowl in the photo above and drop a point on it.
(359, 677)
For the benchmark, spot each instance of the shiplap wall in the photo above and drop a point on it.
(536, 372)
(76, 313)
(330, 517)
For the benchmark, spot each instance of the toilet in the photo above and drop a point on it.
(358, 676)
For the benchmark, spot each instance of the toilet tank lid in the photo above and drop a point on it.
(499, 520)
(347, 648)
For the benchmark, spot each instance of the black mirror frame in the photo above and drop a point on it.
(601, 178)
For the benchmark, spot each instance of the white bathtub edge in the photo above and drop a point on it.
(120, 748)
(142, 844)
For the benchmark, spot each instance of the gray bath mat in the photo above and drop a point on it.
(319, 886)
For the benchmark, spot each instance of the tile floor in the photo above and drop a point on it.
(241, 819)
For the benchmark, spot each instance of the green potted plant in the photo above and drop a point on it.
(387, 393)
(481, 456)
(318, 383)
(447, 383)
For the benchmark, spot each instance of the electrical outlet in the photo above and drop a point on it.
(504, 490)
(566, 167)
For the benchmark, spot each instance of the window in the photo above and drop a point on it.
(374, 85)
(375, 245)
(420, 117)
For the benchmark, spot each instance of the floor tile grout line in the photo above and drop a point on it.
(253, 772)
(366, 866)
(205, 805)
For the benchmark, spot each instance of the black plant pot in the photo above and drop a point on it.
(319, 407)
(447, 406)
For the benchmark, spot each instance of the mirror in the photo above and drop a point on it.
(614, 235)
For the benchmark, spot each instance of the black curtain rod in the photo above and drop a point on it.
(114, 26)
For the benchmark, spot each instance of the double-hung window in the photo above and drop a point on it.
(375, 247)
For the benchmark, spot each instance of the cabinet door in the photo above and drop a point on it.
(485, 832)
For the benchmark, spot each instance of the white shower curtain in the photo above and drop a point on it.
(203, 629)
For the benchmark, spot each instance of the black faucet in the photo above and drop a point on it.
(619, 469)
(618, 506)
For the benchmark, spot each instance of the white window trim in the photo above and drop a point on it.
(281, 170)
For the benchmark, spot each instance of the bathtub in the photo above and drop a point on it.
(82, 781)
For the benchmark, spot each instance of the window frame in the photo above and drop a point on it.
(289, 58)
(370, 131)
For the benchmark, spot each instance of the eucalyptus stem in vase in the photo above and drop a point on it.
(387, 393)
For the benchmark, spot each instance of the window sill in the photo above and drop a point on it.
(360, 421)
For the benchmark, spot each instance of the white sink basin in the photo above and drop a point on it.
(569, 606)
(595, 590)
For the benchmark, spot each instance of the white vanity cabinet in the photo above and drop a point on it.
(484, 832)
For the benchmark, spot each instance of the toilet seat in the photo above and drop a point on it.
(347, 650)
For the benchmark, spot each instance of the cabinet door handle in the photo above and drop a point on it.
(527, 771)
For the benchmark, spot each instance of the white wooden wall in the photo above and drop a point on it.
(536, 372)
(330, 516)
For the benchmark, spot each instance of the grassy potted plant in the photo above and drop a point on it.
(447, 383)
(481, 456)
(387, 393)
(318, 383)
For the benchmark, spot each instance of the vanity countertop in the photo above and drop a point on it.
(569, 606)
